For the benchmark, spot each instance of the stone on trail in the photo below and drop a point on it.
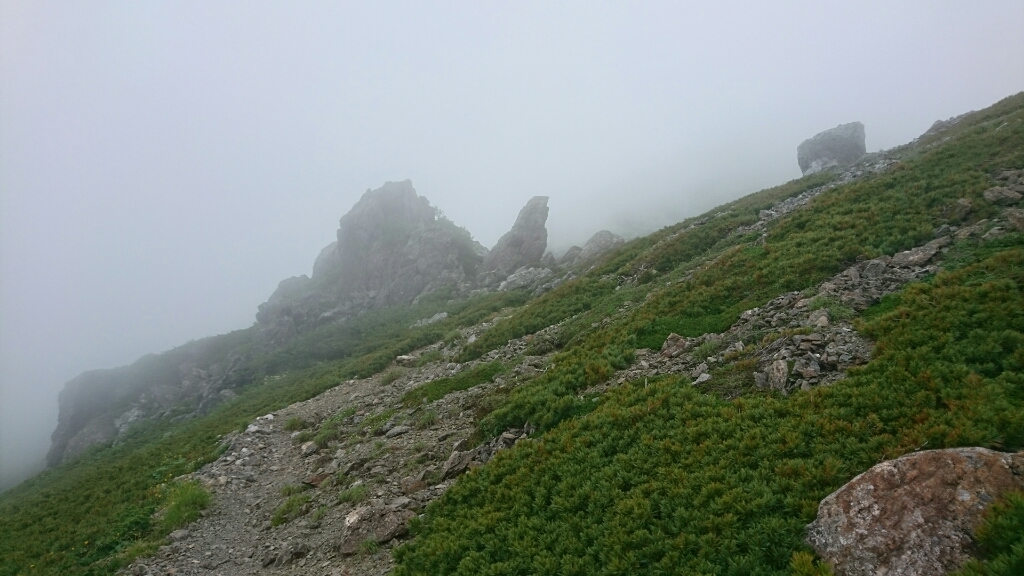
(373, 524)
(457, 463)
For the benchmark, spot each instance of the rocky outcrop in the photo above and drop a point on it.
(570, 256)
(914, 515)
(391, 248)
(525, 278)
(1001, 195)
(600, 243)
(1012, 179)
(841, 146)
(521, 246)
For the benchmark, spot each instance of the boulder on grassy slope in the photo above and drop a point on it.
(840, 146)
(914, 515)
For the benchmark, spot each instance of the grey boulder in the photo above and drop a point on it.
(840, 146)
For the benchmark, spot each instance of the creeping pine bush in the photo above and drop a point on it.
(661, 479)
(999, 540)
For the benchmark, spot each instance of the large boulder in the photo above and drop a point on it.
(521, 246)
(914, 515)
(840, 146)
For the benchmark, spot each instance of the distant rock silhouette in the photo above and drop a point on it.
(392, 247)
(601, 242)
(523, 245)
(838, 147)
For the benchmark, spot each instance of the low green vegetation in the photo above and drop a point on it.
(426, 420)
(999, 540)
(369, 547)
(353, 494)
(661, 478)
(318, 514)
(330, 430)
(835, 309)
(373, 424)
(437, 389)
(293, 507)
(185, 502)
(428, 357)
(293, 489)
(391, 375)
(295, 423)
(804, 564)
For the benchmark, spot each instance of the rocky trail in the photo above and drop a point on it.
(282, 503)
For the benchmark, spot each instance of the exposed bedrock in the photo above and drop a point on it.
(391, 248)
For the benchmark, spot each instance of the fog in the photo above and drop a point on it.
(164, 164)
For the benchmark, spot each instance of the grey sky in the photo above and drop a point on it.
(164, 164)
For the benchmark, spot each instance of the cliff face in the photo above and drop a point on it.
(392, 248)
(98, 405)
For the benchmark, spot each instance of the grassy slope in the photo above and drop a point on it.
(664, 479)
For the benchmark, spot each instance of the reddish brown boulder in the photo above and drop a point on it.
(914, 515)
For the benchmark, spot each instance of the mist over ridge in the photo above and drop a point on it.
(163, 171)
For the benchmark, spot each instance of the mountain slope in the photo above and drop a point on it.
(657, 477)
(627, 466)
